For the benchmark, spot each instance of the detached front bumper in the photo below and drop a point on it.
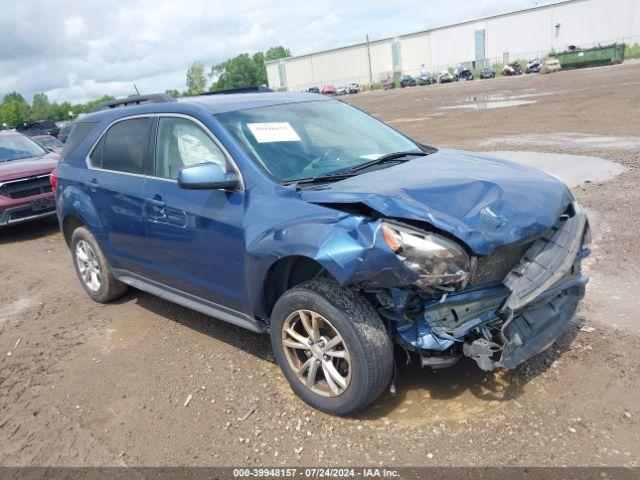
(502, 326)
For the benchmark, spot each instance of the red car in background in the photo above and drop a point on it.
(328, 90)
(25, 186)
(49, 143)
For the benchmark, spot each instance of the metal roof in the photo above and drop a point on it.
(243, 101)
(440, 27)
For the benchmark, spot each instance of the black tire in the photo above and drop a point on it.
(110, 288)
(364, 335)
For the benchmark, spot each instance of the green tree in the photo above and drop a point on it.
(60, 111)
(12, 113)
(239, 71)
(276, 53)
(196, 79)
(14, 96)
(172, 92)
(14, 109)
(40, 107)
(244, 70)
(87, 107)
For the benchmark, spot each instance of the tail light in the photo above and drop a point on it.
(53, 178)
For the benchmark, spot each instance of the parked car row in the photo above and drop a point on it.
(461, 74)
(465, 74)
(330, 89)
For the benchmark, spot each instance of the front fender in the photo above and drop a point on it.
(349, 247)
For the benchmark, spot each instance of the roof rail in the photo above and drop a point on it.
(134, 100)
(260, 89)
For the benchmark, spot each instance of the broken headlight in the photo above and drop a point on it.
(438, 260)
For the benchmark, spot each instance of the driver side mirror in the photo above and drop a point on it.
(207, 176)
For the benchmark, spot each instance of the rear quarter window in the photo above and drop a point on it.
(124, 147)
(79, 132)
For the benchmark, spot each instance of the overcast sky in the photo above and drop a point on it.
(80, 50)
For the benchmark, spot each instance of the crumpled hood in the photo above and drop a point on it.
(484, 201)
(28, 166)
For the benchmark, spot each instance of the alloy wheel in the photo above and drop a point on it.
(88, 266)
(317, 353)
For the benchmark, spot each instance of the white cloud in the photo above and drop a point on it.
(81, 50)
(74, 27)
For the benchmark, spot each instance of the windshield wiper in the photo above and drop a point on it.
(320, 178)
(390, 157)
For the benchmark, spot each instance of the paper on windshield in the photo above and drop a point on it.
(273, 132)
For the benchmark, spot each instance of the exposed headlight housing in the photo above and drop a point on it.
(438, 260)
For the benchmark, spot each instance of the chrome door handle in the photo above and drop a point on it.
(92, 185)
(156, 202)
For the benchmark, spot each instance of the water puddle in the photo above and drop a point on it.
(573, 170)
(414, 119)
(462, 392)
(583, 140)
(489, 105)
(123, 329)
(120, 332)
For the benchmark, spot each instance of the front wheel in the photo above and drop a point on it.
(331, 346)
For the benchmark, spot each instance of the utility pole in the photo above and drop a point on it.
(369, 57)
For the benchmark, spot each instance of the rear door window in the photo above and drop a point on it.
(125, 147)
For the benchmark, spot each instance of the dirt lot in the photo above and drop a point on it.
(89, 384)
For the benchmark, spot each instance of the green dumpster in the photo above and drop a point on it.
(591, 57)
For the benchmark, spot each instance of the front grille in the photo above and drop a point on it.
(26, 187)
(495, 267)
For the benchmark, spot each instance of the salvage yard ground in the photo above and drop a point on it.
(89, 384)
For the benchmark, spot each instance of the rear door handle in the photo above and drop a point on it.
(156, 202)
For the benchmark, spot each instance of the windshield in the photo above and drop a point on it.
(309, 139)
(15, 147)
(49, 142)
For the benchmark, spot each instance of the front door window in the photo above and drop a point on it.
(182, 143)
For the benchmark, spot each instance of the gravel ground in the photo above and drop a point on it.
(87, 384)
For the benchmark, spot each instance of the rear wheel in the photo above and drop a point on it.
(92, 268)
(331, 346)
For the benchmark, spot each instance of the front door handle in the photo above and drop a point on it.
(156, 202)
(92, 185)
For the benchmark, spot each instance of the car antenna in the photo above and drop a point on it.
(137, 91)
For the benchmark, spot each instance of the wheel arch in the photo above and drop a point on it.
(287, 272)
(69, 224)
(76, 209)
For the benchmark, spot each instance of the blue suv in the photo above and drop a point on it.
(301, 216)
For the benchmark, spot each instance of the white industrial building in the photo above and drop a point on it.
(523, 34)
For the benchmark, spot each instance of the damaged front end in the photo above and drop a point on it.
(499, 309)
